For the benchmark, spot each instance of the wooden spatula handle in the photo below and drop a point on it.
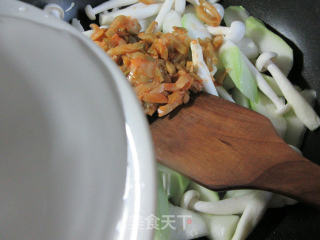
(224, 146)
(298, 179)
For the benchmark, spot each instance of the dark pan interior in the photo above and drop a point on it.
(298, 21)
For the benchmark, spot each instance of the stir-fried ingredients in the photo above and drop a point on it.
(158, 65)
(169, 50)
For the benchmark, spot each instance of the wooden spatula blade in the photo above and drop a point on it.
(223, 146)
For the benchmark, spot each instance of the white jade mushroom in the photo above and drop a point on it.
(263, 85)
(179, 6)
(164, 10)
(138, 10)
(249, 48)
(91, 12)
(223, 93)
(234, 33)
(252, 207)
(201, 68)
(190, 200)
(301, 107)
(281, 107)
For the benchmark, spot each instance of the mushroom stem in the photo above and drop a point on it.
(266, 89)
(179, 6)
(264, 86)
(301, 107)
(249, 48)
(223, 93)
(252, 214)
(235, 205)
(218, 30)
(164, 10)
(91, 12)
(139, 11)
(234, 33)
(201, 68)
(252, 207)
(224, 207)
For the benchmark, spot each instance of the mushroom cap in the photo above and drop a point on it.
(264, 60)
(90, 13)
(189, 198)
(236, 32)
(51, 7)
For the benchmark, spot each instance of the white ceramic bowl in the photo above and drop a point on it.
(76, 158)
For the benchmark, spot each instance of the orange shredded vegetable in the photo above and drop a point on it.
(158, 65)
(208, 13)
(149, 1)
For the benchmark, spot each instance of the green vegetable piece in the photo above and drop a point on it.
(239, 98)
(228, 83)
(265, 107)
(206, 195)
(161, 233)
(235, 13)
(265, 39)
(237, 193)
(174, 183)
(268, 41)
(296, 129)
(233, 61)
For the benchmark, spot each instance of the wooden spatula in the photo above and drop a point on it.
(224, 146)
